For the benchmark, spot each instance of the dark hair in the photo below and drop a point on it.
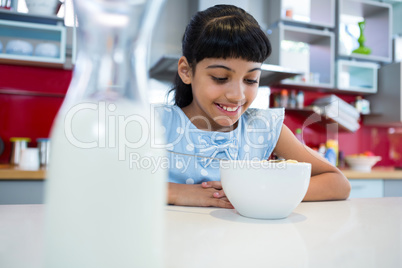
(221, 31)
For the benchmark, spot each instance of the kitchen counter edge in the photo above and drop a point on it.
(8, 172)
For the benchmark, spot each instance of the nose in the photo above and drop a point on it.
(235, 92)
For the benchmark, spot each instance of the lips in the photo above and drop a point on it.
(228, 108)
(232, 109)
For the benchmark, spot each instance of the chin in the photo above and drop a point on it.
(227, 123)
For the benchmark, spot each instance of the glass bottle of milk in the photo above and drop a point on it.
(105, 193)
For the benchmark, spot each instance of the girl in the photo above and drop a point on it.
(217, 80)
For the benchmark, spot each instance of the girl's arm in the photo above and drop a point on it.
(327, 182)
(207, 194)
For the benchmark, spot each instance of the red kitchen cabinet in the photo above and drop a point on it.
(29, 100)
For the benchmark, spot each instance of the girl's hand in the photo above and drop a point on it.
(217, 185)
(208, 194)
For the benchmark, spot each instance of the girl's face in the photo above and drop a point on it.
(223, 89)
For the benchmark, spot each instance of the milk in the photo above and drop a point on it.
(102, 211)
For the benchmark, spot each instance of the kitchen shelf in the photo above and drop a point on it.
(357, 76)
(165, 69)
(8, 172)
(271, 74)
(321, 89)
(33, 33)
(319, 13)
(31, 18)
(315, 116)
(378, 29)
(315, 59)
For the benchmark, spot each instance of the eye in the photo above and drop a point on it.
(219, 80)
(250, 81)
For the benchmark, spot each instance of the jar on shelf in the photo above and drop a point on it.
(18, 144)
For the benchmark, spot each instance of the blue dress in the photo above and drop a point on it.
(254, 139)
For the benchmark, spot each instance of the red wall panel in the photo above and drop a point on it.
(34, 79)
(29, 100)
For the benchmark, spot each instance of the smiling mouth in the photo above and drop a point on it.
(229, 109)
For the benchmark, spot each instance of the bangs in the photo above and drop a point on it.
(231, 37)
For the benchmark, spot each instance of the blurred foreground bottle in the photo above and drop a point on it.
(105, 196)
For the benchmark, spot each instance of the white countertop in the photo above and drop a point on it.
(352, 233)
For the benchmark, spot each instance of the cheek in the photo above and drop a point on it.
(207, 91)
(251, 94)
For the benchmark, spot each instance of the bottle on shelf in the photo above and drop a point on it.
(322, 149)
(362, 105)
(341, 160)
(333, 144)
(300, 99)
(284, 98)
(331, 156)
(292, 99)
(276, 99)
(289, 12)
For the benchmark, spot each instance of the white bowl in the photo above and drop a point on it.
(362, 163)
(265, 190)
(19, 47)
(47, 50)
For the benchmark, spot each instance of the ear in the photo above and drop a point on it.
(184, 70)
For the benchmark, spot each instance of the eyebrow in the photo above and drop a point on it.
(231, 70)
